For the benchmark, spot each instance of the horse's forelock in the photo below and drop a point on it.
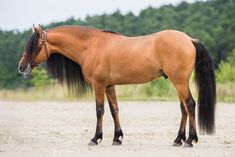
(31, 46)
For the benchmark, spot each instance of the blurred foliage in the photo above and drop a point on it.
(40, 78)
(226, 70)
(160, 87)
(213, 22)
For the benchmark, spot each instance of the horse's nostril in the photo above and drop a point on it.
(20, 68)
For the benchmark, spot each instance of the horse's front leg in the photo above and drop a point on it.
(111, 96)
(99, 90)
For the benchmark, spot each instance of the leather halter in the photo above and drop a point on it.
(44, 38)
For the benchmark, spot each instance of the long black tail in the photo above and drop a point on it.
(205, 80)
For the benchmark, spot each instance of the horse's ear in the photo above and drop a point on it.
(40, 27)
(40, 30)
(34, 29)
(37, 28)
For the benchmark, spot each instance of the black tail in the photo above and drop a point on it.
(205, 80)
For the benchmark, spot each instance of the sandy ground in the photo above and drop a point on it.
(54, 129)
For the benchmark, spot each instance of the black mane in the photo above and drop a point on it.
(67, 72)
(32, 44)
(109, 31)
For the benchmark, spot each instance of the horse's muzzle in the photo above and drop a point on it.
(21, 68)
(25, 70)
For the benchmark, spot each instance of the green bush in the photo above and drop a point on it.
(40, 78)
(226, 70)
(160, 87)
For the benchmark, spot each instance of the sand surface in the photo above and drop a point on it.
(63, 129)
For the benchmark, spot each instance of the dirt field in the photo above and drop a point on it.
(54, 129)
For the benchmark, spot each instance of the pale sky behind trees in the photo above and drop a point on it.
(21, 14)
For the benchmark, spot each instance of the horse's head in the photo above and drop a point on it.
(35, 51)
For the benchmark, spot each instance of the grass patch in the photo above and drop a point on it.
(49, 93)
(159, 90)
(226, 92)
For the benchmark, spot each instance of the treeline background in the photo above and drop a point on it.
(213, 22)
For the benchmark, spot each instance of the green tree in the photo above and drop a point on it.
(212, 21)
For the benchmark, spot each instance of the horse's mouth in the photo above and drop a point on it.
(27, 71)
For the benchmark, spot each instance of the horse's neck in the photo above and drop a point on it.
(68, 42)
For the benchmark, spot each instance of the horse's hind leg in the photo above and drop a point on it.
(181, 132)
(189, 107)
(111, 96)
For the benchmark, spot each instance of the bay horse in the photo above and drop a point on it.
(84, 57)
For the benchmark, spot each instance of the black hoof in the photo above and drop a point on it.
(92, 143)
(117, 142)
(118, 136)
(195, 141)
(187, 145)
(192, 138)
(95, 141)
(181, 137)
(178, 141)
(177, 144)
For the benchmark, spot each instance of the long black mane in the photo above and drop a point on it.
(61, 68)
(67, 72)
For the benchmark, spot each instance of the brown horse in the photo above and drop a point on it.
(84, 56)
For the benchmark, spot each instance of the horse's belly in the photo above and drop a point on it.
(134, 76)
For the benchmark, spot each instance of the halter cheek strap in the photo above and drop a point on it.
(44, 38)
